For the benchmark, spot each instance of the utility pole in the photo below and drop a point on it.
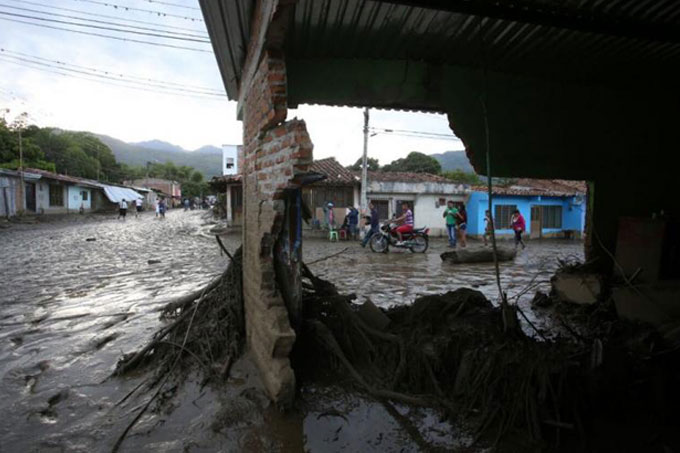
(21, 169)
(364, 165)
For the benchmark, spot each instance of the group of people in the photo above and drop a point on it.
(456, 223)
(137, 205)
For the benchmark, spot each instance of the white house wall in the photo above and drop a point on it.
(428, 212)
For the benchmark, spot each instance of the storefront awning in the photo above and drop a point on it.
(116, 194)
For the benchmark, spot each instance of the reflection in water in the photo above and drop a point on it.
(398, 277)
(70, 307)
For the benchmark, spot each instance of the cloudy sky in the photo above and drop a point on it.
(35, 62)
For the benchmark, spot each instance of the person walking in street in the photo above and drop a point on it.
(353, 222)
(461, 225)
(518, 226)
(138, 207)
(122, 209)
(374, 223)
(162, 208)
(450, 214)
(488, 227)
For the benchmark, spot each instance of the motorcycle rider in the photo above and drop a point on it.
(405, 221)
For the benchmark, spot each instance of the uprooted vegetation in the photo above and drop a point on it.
(455, 352)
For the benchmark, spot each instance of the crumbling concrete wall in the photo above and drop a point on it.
(274, 152)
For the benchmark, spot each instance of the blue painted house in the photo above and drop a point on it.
(551, 208)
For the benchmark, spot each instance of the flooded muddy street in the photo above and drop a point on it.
(398, 277)
(78, 293)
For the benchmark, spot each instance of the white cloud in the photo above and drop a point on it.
(133, 115)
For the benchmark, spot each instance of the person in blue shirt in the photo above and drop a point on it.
(375, 225)
(353, 222)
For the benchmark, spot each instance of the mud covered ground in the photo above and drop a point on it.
(69, 307)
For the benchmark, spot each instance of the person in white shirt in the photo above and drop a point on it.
(122, 209)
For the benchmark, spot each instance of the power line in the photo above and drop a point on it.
(415, 134)
(117, 84)
(106, 36)
(106, 16)
(111, 73)
(84, 19)
(150, 11)
(177, 5)
(116, 79)
(101, 27)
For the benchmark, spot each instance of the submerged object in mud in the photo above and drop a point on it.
(153, 261)
(91, 239)
(477, 255)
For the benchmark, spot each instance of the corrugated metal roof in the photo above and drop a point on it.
(228, 23)
(582, 39)
(387, 30)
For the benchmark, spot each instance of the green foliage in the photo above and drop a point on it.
(33, 157)
(72, 153)
(193, 184)
(463, 177)
(415, 162)
(371, 163)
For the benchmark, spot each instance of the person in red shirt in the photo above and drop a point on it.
(519, 226)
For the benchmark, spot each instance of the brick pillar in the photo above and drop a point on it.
(274, 152)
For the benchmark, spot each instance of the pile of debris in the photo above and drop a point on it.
(456, 352)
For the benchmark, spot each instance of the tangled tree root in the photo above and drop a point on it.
(449, 351)
(215, 333)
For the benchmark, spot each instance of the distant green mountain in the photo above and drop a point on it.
(207, 159)
(454, 160)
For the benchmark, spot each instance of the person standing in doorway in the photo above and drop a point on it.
(488, 227)
(461, 225)
(122, 209)
(450, 214)
(518, 226)
(374, 222)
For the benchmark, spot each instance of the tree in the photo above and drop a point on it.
(33, 157)
(371, 163)
(462, 177)
(415, 162)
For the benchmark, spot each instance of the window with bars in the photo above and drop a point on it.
(502, 215)
(56, 195)
(552, 217)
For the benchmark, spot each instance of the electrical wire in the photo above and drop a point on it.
(116, 83)
(101, 27)
(106, 16)
(116, 79)
(176, 5)
(415, 134)
(111, 73)
(100, 35)
(84, 19)
(130, 8)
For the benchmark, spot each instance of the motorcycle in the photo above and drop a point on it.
(417, 240)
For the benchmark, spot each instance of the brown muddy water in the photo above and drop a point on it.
(69, 308)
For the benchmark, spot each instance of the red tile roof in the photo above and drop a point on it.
(539, 187)
(336, 174)
(405, 176)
